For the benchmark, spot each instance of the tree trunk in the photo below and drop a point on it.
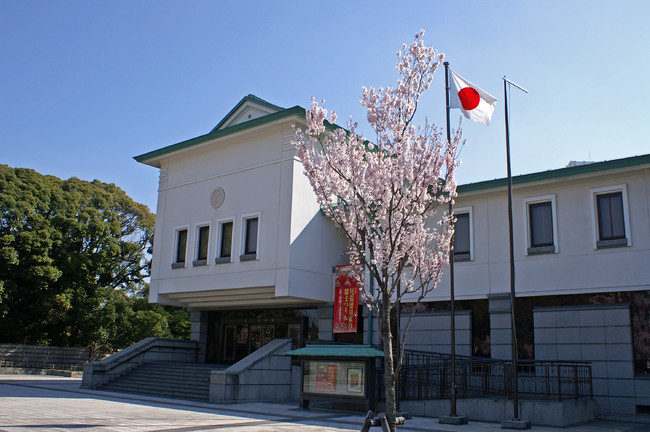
(389, 368)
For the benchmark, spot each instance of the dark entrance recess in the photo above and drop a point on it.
(234, 335)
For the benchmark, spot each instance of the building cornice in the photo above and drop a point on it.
(544, 176)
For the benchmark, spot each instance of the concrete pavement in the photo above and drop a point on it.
(51, 403)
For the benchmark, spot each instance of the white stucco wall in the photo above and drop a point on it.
(576, 267)
(260, 174)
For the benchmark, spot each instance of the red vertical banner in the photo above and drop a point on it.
(346, 300)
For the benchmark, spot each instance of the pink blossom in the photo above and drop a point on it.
(391, 195)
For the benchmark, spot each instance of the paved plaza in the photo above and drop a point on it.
(51, 403)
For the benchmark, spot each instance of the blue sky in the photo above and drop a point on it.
(87, 85)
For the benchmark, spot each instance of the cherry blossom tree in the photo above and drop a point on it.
(386, 196)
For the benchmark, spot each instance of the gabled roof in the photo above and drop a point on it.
(248, 103)
(226, 127)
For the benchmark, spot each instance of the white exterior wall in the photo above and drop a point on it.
(259, 173)
(315, 243)
(576, 267)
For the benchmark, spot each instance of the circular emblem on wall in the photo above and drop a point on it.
(217, 198)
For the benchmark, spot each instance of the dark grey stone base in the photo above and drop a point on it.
(515, 424)
(453, 419)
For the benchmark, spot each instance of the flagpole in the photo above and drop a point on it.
(453, 417)
(515, 385)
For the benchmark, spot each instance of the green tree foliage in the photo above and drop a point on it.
(73, 264)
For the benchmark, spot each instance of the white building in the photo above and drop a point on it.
(239, 230)
(240, 241)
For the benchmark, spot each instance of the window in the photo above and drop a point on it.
(251, 235)
(180, 248)
(224, 253)
(541, 224)
(202, 242)
(541, 232)
(611, 225)
(461, 237)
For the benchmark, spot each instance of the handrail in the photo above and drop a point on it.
(99, 373)
(142, 346)
(546, 380)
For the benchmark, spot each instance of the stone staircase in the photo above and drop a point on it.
(185, 381)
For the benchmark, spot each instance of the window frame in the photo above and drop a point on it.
(610, 243)
(244, 257)
(175, 264)
(543, 249)
(466, 257)
(197, 243)
(220, 223)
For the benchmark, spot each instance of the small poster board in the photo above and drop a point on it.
(336, 377)
(355, 379)
(339, 374)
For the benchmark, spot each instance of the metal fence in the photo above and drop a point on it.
(44, 357)
(427, 375)
(547, 380)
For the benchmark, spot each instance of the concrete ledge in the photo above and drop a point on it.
(40, 371)
(264, 375)
(540, 412)
(515, 424)
(453, 419)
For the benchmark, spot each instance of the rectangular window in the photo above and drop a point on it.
(541, 224)
(202, 241)
(461, 237)
(250, 238)
(181, 248)
(611, 224)
(225, 242)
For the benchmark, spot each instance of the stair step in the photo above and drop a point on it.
(161, 394)
(149, 373)
(154, 390)
(166, 379)
(161, 385)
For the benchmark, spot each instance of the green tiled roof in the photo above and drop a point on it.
(300, 112)
(338, 351)
(557, 173)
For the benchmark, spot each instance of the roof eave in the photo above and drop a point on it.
(153, 158)
(633, 161)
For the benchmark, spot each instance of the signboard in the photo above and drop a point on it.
(326, 378)
(346, 300)
(345, 378)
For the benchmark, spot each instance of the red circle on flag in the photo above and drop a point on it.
(469, 98)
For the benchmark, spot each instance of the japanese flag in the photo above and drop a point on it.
(476, 104)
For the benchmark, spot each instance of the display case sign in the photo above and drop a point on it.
(326, 378)
(342, 378)
(346, 300)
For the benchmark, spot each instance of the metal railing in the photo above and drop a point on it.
(45, 357)
(545, 380)
(427, 375)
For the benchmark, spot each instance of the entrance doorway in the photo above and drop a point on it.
(234, 335)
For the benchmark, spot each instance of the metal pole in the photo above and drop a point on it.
(372, 291)
(398, 317)
(451, 269)
(515, 386)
